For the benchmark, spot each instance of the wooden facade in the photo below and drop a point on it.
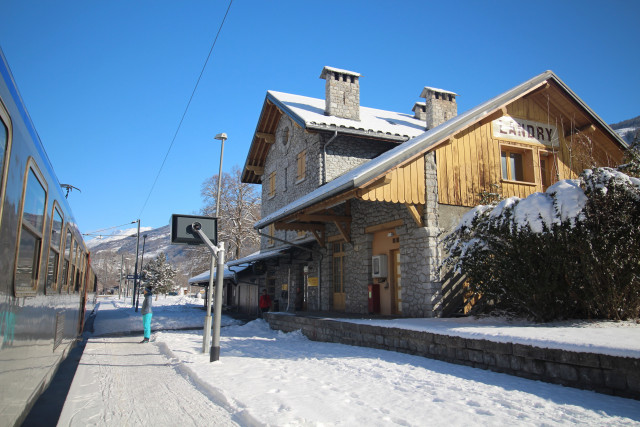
(470, 162)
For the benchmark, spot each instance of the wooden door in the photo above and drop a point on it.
(339, 295)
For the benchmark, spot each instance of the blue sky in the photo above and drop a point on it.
(106, 81)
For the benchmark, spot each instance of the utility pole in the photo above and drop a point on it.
(120, 283)
(135, 270)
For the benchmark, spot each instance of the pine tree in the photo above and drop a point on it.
(159, 275)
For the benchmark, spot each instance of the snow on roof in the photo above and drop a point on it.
(435, 89)
(422, 143)
(228, 274)
(310, 112)
(338, 70)
(258, 256)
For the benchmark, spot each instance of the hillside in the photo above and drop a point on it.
(627, 129)
(109, 253)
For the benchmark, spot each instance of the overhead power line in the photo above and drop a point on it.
(185, 110)
(108, 228)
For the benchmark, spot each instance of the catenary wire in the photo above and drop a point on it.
(108, 228)
(185, 110)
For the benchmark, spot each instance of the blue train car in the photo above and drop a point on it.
(46, 280)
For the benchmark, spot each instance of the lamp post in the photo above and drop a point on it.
(221, 137)
(215, 345)
(135, 270)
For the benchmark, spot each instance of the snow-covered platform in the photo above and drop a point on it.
(122, 382)
(267, 377)
(604, 358)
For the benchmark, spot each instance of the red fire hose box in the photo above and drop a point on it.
(374, 298)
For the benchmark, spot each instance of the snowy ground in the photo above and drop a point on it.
(266, 377)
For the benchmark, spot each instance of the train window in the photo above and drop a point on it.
(30, 235)
(5, 148)
(74, 268)
(65, 264)
(53, 264)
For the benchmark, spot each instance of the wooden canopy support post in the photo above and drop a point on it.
(319, 238)
(258, 170)
(344, 232)
(416, 212)
(268, 138)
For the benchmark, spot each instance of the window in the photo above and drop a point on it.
(67, 257)
(5, 147)
(517, 164)
(302, 160)
(30, 233)
(548, 169)
(73, 280)
(272, 184)
(55, 238)
(285, 136)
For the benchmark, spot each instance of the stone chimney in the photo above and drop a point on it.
(420, 111)
(342, 93)
(440, 106)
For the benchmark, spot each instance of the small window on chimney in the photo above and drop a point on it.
(450, 98)
(336, 76)
(353, 79)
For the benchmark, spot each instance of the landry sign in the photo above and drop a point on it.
(507, 127)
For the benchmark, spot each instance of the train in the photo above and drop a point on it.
(47, 284)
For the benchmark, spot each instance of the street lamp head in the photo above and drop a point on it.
(221, 136)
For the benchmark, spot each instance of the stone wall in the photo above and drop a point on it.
(282, 159)
(345, 153)
(614, 375)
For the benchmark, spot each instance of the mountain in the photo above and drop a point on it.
(627, 129)
(111, 253)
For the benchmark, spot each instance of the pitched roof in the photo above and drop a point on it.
(371, 170)
(308, 113)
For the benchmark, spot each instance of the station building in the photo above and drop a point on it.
(356, 201)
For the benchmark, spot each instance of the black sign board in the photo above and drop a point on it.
(182, 232)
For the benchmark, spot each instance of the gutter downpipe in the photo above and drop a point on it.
(304, 249)
(324, 157)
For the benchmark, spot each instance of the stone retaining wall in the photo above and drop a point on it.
(613, 375)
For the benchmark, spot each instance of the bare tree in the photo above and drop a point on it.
(239, 210)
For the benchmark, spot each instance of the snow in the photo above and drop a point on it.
(115, 236)
(266, 377)
(311, 111)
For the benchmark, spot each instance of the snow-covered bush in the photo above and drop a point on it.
(573, 251)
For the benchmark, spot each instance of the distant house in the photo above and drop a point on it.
(355, 201)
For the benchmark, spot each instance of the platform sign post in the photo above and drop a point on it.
(197, 230)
